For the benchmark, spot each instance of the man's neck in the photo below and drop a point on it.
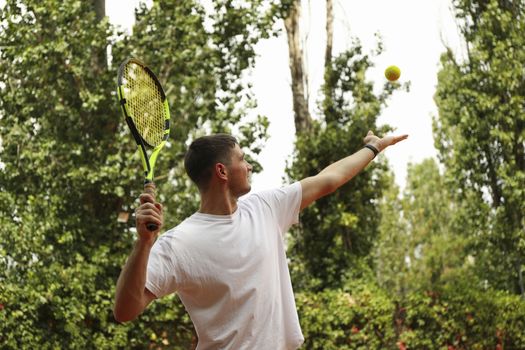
(218, 203)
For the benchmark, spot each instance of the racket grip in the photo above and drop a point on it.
(152, 227)
(149, 187)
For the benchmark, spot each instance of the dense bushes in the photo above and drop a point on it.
(455, 318)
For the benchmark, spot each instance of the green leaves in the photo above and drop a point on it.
(364, 317)
(71, 166)
(480, 133)
(339, 230)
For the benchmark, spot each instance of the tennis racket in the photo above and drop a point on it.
(147, 114)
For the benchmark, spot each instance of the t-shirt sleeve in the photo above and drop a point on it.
(161, 273)
(285, 203)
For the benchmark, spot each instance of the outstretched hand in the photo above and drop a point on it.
(382, 143)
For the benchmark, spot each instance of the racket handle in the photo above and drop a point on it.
(152, 227)
(149, 187)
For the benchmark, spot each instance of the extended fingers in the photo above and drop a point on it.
(383, 142)
(399, 138)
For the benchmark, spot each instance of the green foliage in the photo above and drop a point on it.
(339, 230)
(64, 178)
(69, 165)
(337, 319)
(457, 317)
(419, 245)
(480, 134)
(463, 317)
(201, 67)
(66, 172)
(393, 243)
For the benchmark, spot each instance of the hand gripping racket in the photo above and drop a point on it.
(147, 114)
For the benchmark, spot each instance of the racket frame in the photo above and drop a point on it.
(148, 163)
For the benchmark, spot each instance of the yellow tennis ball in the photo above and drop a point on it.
(392, 73)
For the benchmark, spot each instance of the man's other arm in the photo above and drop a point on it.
(132, 297)
(337, 174)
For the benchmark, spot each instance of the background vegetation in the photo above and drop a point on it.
(439, 266)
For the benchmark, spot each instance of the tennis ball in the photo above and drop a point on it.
(392, 73)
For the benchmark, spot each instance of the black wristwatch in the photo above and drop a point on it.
(373, 149)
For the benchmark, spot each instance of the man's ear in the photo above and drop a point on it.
(221, 171)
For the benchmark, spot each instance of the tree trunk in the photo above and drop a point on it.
(99, 58)
(302, 116)
(328, 89)
(100, 9)
(329, 32)
(521, 283)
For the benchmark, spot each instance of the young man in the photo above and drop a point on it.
(227, 262)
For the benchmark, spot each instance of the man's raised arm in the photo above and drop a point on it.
(337, 174)
(132, 297)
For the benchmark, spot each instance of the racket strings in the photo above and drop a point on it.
(145, 104)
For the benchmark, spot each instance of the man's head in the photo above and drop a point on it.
(217, 155)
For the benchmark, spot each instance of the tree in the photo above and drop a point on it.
(480, 135)
(299, 76)
(420, 247)
(69, 165)
(337, 232)
(392, 245)
(202, 73)
(65, 177)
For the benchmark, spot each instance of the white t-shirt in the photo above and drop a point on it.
(231, 273)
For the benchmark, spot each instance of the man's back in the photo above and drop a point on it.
(230, 271)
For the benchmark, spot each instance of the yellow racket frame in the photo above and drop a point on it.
(148, 163)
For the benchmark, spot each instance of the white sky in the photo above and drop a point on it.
(412, 32)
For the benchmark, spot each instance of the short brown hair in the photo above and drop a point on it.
(204, 153)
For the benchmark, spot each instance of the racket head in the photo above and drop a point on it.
(143, 103)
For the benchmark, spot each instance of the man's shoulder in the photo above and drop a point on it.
(179, 230)
(267, 195)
